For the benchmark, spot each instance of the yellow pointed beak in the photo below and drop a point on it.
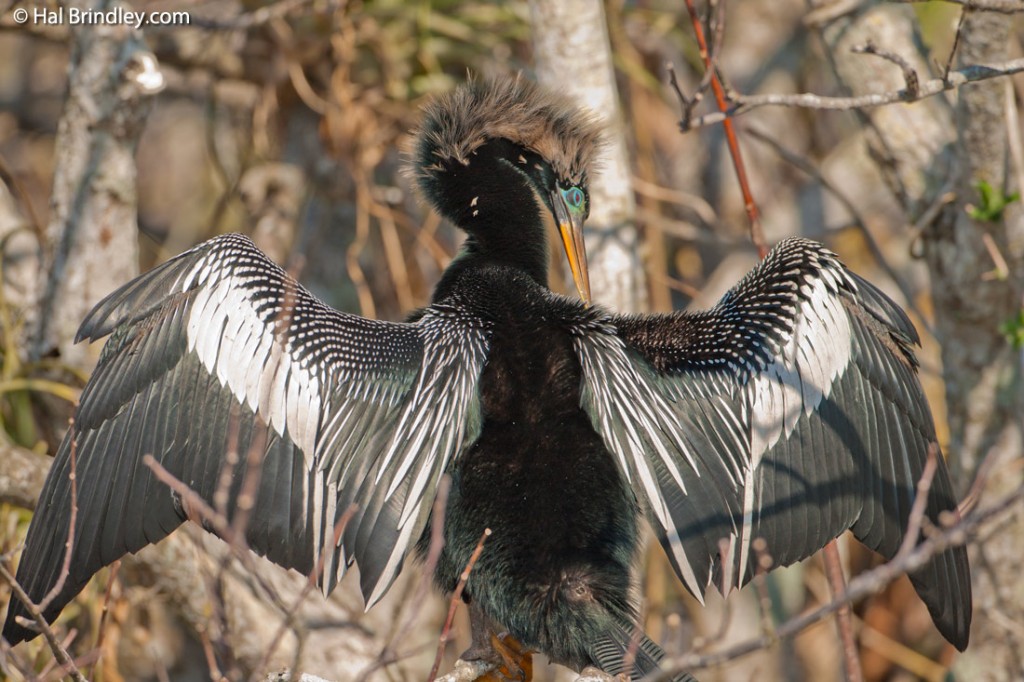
(570, 227)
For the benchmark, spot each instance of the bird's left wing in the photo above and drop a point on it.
(229, 373)
(790, 412)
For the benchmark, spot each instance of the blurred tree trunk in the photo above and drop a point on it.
(924, 151)
(92, 236)
(573, 55)
(974, 297)
(92, 248)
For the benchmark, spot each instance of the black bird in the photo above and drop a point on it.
(791, 411)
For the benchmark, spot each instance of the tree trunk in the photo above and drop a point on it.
(984, 386)
(573, 55)
(91, 239)
(925, 150)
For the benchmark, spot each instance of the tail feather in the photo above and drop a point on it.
(616, 645)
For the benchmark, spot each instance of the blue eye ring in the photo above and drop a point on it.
(574, 197)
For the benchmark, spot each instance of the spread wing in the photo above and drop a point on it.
(791, 412)
(218, 353)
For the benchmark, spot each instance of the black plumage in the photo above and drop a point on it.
(790, 411)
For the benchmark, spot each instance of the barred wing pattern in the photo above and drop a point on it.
(220, 350)
(791, 412)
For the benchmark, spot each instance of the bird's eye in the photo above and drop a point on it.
(574, 197)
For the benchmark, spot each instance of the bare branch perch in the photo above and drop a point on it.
(969, 74)
(1000, 6)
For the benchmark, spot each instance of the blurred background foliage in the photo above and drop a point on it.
(287, 122)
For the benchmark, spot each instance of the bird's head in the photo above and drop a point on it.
(486, 152)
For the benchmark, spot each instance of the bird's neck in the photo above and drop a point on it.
(492, 200)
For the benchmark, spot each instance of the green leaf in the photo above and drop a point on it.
(1013, 329)
(992, 203)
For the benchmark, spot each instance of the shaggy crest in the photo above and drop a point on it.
(511, 108)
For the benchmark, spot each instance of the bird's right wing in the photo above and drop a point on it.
(230, 374)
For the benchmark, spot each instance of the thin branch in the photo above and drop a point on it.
(844, 616)
(69, 545)
(756, 232)
(196, 507)
(972, 73)
(956, 45)
(433, 555)
(763, 565)
(59, 652)
(101, 627)
(910, 77)
(917, 510)
(686, 104)
(314, 578)
(999, 6)
(456, 596)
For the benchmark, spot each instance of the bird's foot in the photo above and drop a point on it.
(502, 659)
(592, 674)
(467, 671)
(516, 662)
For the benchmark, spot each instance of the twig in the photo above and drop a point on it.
(910, 77)
(246, 499)
(389, 654)
(999, 6)
(456, 596)
(725, 560)
(917, 510)
(433, 553)
(635, 638)
(222, 493)
(756, 232)
(69, 545)
(956, 44)
(59, 652)
(101, 627)
(692, 202)
(190, 500)
(9, 178)
(844, 616)
(763, 566)
(352, 253)
(211, 657)
(686, 104)
(972, 73)
(198, 510)
(314, 577)
(53, 671)
(1002, 270)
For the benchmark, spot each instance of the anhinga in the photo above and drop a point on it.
(791, 411)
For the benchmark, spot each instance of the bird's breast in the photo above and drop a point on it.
(531, 376)
(539, 473)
